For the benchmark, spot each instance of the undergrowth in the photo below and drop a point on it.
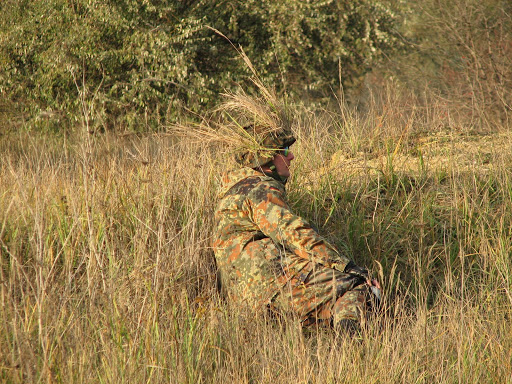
(108, 276)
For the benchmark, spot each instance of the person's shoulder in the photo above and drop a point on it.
(243, 181)
(246, 185)
(265, 187)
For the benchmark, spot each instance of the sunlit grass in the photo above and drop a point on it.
(107, 273)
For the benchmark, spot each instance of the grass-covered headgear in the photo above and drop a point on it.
(252, 128)
(262, 125)
(268, 143)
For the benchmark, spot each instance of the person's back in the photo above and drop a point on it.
(249, 276)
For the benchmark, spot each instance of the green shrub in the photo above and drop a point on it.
(137, 64)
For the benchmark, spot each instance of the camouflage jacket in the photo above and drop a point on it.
(256, 235)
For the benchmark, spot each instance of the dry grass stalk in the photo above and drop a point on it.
(107, 274)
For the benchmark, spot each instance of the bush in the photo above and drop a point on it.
(131, 64)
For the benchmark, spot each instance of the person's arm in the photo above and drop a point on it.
(271, 214)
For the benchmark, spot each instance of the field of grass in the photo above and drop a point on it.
(107, 275)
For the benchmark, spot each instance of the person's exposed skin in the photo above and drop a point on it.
(282, 164)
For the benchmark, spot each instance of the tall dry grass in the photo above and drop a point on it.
(107, 275)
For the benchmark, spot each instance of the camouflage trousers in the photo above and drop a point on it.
(263, 275)
(324, 295)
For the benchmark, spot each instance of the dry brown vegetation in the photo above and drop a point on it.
(106, 271)
(107, 275)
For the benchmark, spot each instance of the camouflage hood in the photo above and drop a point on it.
(232, 177)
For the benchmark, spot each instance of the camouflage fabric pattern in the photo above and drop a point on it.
(326, 295)
(269, 256)
(268, 142)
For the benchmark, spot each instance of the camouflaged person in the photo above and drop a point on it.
(270, 257)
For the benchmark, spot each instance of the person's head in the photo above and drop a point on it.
(271, 152)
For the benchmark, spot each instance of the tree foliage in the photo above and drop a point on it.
(136, 64)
